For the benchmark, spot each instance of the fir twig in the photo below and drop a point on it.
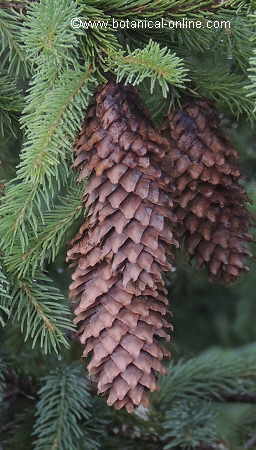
(153, 62)
(157, 8)
(225, 88)
(49, 40)
(189, 423)
(51, 234)
(45, 155)
(252, 68)
(11, 103)
(4, 298)
(40, 309)
(212, 374)
(97, 42)
(2, 379)
(11, 52)
(64, 402)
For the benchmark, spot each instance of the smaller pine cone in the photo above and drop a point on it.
(119, 254)
(211, 204)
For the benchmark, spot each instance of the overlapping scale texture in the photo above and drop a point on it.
(123, 248)
(211, 204)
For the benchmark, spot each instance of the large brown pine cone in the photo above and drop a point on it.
(120, 252)
(211, 204)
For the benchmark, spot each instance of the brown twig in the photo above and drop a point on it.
(12, 5)
(251, 442)
(15, 5)
(239, 398)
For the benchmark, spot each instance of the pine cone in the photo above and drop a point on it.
(119, 253)
(210, 202)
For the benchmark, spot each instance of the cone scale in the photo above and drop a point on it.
(123, 248)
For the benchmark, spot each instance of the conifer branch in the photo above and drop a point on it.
(157, 8)
(190, 423)
(4, 298)
(45, 155)
(225, 88)
(51, 234)
(63, 104)
(48, 37)
(56, 102)
(251, 89)
(11, 103)
(11, 52)
(2, 379)
(237, 41)
(232, 42)
(252, 68)
(155, 104)
(40, 310)
(64, 403)
(153, 62)
(212, 374)
(97, 42)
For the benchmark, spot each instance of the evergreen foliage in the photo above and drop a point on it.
(43, 160)
(2, 380)
(224, 371)
(11, 103)
(158, 8)
(11, 51)
(4, 298)
(51, 234)
(49, 72)
(153, 62)
(39, 307)
(224, 88)
(61, 409)
(252, 67)
(189, 423)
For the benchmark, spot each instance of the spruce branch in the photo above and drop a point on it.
(64, 403)
(4, 298)
(225, 88)
(153, 62)
(11, 103)
(43, 167)
(251, 88)
(96, 42)
(62, 111)
(213, 374)
(236, 42)
(47, 35)
(157, 8)
(39, 308)
(11, 51)
(232, 43)
(190, 424)
(51, 234)
(57, 98)
(2, 380)
(155, 104)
